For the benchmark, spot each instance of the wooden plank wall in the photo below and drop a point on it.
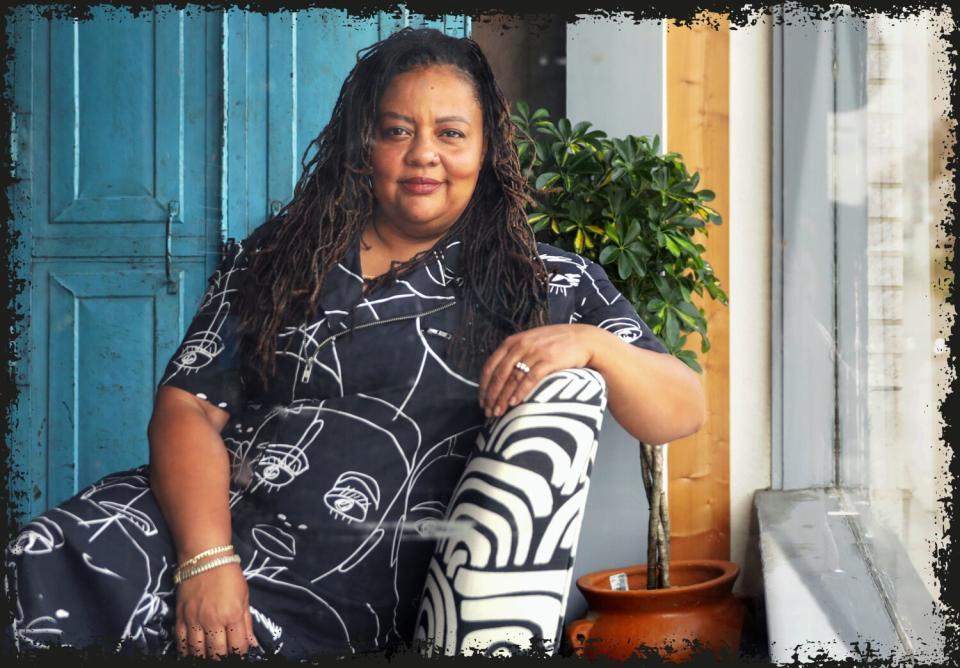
(698, 84)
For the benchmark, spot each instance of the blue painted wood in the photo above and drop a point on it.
(106, 327)
(115, 123)
(126, 131)
(19, 31)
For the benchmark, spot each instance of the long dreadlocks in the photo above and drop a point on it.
(504, 282)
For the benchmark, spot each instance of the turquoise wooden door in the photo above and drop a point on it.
(141, 144)
(116, 124)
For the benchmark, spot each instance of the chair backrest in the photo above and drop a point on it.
(498, 581)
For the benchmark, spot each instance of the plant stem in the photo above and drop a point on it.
(664, 543)
(645, 465)
(656, 538)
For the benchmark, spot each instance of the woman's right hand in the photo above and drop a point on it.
(213, 613)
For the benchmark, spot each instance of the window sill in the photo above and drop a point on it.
(825, 596)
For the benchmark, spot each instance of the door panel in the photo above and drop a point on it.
(125, 126)
(106, 327)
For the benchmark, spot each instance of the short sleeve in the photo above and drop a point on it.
(207, 362)
(600, 303)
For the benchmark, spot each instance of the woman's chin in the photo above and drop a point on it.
(425, 226)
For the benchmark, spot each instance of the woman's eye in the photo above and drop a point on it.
(453, 134)
(395, 132)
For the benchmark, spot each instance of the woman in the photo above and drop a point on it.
(309, 430)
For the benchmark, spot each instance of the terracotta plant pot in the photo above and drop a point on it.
(699, 610)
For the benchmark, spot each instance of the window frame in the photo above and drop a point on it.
(819, 73)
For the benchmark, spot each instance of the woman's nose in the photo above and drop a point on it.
(422, 151)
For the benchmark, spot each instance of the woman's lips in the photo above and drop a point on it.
(420, 186)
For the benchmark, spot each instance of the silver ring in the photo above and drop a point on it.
(523, 367)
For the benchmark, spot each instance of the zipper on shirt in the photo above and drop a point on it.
(433, 331)
(308, 369)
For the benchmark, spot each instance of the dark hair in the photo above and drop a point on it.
(504, 281)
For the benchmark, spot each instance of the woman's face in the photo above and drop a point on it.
(428, 150)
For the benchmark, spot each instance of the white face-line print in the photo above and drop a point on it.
(201, 349)
(41, 536)
(274, 541)
(279, 464)
(122, 517)
(439, 272)
(580, 266)
(352, 495)
(117, 512)
(627, 329)
(560, 283)
(260, 568)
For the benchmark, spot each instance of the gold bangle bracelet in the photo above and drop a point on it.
(182, 575)
(206, 553)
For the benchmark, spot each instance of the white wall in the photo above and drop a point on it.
(615, 76)
(750, 224)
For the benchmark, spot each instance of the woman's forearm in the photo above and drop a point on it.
(654, 396)
(189, 474)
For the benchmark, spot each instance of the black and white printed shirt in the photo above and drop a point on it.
(341, 472)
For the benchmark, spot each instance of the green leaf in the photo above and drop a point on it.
(611, 232)
(545, 180)
(580, 128)
(690, 322)
(635, 264)
(689, 358)
(623, 266)
(633, 232)
(663, 287)
(609, 254)
(523, 108)
(671, 246)
(671, 329)
(691, 222)
(546, 127)
(684, 243)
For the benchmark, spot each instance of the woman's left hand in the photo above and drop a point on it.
(544, 350)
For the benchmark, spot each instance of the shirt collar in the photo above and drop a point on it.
(432, 284)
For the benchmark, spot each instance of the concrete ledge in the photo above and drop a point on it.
(821, 598)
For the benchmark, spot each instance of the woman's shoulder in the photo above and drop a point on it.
(558, 260)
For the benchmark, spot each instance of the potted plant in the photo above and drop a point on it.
(639, 214)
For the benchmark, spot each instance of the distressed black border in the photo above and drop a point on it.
(682, 11)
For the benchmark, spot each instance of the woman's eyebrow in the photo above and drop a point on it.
(393, 114)
(411, 121)
(448, 119)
